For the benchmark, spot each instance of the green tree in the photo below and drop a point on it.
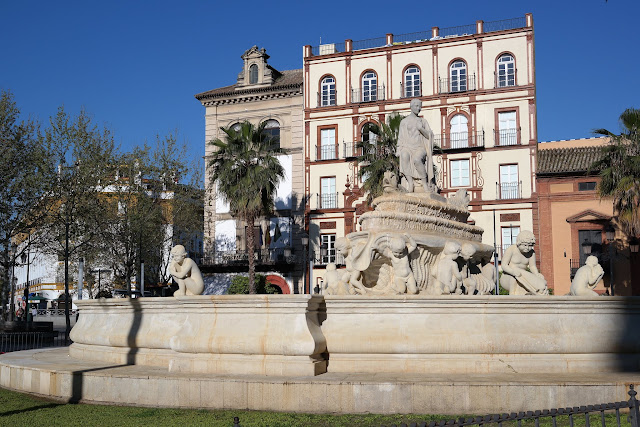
(619, 168)
(246, 171)
(378, 155)
(81, 156)
(23, 182)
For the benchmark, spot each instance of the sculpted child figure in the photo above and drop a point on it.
(397, 249)
(332, 284)
(447, 275)
(586, 278)
(185, 272)
(352, 276)
(516, 260)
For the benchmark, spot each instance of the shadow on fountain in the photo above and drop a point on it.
(628, 335)
(77, 377)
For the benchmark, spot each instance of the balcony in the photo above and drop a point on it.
(326, 100)
(333, 256)
(460, 140)
(359, 96)
(326, 152)
(509, 190)
(267, 257)
(410, 92)
(351, 149)
(504, 137)
(328, 201)
(464, 84)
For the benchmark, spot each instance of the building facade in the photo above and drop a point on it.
(575, 222)
(260, 94)
(478, 93)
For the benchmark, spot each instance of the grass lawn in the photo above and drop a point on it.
(25, 410)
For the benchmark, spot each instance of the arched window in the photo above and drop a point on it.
(411, 82)
(253, 74)
(272, 128)
(236, 127)
(328, 91)
(459, 133)
(369, 132)
(506, 71)
(369, 86)
(458, 74)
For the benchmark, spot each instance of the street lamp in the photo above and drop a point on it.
(12, 301)
(324, 250)
(610, 233)
(26, 259)
(305, 245)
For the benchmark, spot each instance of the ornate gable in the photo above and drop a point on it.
(256, 71)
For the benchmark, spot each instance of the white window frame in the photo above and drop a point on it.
(328, 91)
(328, 194)
(458, 75)
(506, 75)
(369, 86)
(459, 131)
(460, 175)
(509, 236)
(509, 182)
(328, 139)
(508, 127)
(412, 82)
(330, 241)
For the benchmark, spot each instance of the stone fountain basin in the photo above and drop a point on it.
(309, 335)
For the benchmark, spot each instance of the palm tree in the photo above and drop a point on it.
(379, 155)
(247, 172)
(619, 169)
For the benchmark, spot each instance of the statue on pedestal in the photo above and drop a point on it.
(586, 278)
(415, 150)
(185, 272)
(520, 275)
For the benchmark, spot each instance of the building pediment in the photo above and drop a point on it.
(589, 216)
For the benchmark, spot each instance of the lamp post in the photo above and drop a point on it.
(324, 250)
(12, 300)
(611, 236)
(26, 258)
(305, 245)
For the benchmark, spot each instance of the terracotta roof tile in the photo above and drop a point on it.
(567, 160)
(286, 79)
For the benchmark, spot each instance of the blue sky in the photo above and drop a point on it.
(135, 65)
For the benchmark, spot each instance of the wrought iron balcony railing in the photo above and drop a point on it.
(326, 152)
(326, 99)
(332, 256)
(503, 137)
(269, 256)
(460, 140)
(328, 201)
(351, 149)
(410, 91)
(509, 190)
(460, 84)
(373, 94)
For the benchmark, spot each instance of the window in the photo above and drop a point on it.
(257, 236)
(506, 71)
(460, 173)
(253, 74)
(509, 235)
(459, 133)
(368, 133)
(593, 238)
(236, 127)
(272, 129)
(507, 130)
(328, 91)
(458, 76)
(509, 185)
(327, 144)
(329, 240)
(586, 186)
(328, 195)
(369, 87)
(412, 82)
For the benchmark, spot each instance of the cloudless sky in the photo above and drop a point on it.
(136, 65)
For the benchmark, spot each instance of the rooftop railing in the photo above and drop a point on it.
(421, 36)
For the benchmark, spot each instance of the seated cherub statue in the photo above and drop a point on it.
(397, 250)
(185, 272)
(448, 277)
(586, 278)
(520, 275)
(332, 285)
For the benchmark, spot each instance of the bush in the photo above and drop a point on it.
(240, 286)
(104, 294)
